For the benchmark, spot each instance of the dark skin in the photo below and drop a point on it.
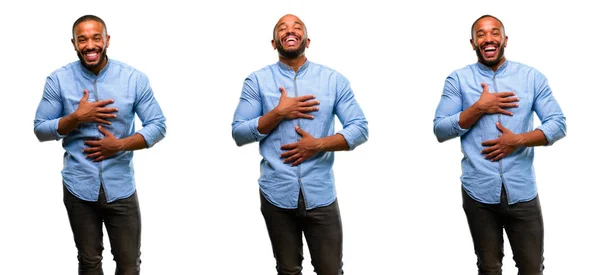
(296, 107)
(489, 31)
(90, 38)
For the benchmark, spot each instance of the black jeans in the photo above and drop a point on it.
(123, 225)
(524, 228)
(322, 229)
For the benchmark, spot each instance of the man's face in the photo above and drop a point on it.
(90, 42)
(489, 41)
(289, 37)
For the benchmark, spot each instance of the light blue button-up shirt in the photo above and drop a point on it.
(132, 95)
(482, 179)
(279, 182)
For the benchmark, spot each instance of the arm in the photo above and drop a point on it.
(354, 133)
(50, 125)
(249, 125)
(552, 129)
(153, 127)
(452, 121)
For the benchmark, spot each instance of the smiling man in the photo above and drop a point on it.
(490, 105)
(91, 104)
(289, 108)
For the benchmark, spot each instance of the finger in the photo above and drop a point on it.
(308, 109)
(106, 115)
(301, 132)
(505, 94)
(504, 112)
(303, 115)
(97, 120)
(291, 158)
(508, 105)
(108, 110)
(498, 157)
(94, 155)
(92, 143)
(490, 142)
(289, 146)
(85, 95)
(91, 150)
(287, 154)
(283, 92)
(297, 162)
(103, 131)
(489, 150)
(309, 103)
(500, 127)
(485, 87)
(100, 158)
(104, 102)
(306, 97)
(492, 154)
(509, 99)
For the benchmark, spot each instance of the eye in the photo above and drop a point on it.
(97, 39)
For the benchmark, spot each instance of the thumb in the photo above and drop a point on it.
(301, 132)
(283, 92)
(85, 95)
(500, 127)
(485, 87)
(103, 131)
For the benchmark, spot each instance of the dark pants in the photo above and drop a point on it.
(123, 225)
(524, 228)
(322, 229)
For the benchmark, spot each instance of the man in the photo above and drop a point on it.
(289, 108)
(490, 105)
(90, 104)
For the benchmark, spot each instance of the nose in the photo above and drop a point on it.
(88, 45)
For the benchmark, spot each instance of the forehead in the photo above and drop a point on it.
(289, 20)
(89, 27)
(487, 23)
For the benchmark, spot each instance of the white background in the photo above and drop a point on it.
(399, 193)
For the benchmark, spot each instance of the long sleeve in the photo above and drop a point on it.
(147, 109)
(351, 116)
(553, 121)
(49, 112)
(247, 113)
(447, 114)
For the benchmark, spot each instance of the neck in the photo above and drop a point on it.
(495, 67)
(295, 63)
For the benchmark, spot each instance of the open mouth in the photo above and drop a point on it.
(489, 51)
(91, 56)
(291, 40)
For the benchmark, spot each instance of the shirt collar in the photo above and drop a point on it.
(488, 71)
(91, 75)
(285, 68)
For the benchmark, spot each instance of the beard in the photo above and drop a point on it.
(493, 62)
(291, 54)
(91, 66)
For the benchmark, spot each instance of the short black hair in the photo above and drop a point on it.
(88, 18)
(484, 16)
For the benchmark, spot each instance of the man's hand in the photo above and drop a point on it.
(302, 150)
(496, 103)
(502, 146)
(296, 107)
(94, 111)
(102, 149)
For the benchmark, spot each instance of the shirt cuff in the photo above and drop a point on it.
(54, 131)
(258, 136)
(457, 130)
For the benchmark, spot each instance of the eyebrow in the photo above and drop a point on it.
(493, 29)
(295, 22)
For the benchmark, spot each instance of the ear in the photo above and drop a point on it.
(273, 44)
(107, 40)
(472, 44)
(505, 41)
(73, 42)
(307, 42)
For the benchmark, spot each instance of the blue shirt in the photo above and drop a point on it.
(279, 182)
(132, 94)
(482, 179)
